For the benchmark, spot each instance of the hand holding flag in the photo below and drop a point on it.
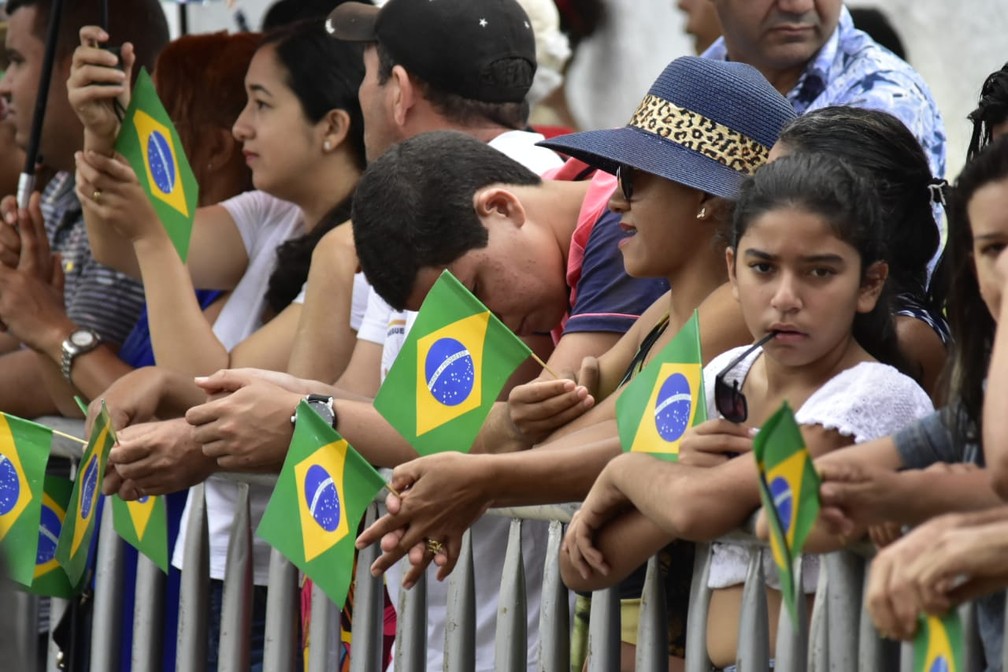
(149, 141)
(450, 372)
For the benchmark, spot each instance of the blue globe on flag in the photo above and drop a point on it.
(10, 485)
(449, 372)
(49, 531)
(162, 162)
(672, 407)
(322, 497)
(88, 486)
(783, 500)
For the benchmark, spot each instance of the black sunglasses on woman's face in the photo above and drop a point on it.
(728, 399)
(624, 178)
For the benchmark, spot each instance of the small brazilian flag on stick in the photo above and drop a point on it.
(939, 644)
(144, 525)
(151, 144)
(665, 399)
(789, 489)
(24, 450)
(452, 367)
(325, 486)
(75, 537)
(50, 579)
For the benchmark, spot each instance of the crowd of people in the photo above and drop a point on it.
(786, 186)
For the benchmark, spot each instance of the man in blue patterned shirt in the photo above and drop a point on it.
(812, 53)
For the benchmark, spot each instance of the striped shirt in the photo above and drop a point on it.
(95, 296)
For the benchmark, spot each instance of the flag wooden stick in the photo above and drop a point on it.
(69, 436)
(544, 365)
(388, 486)
(26, 182)
(104, 16)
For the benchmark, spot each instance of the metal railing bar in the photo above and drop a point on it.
(107, 614)
(554, 608)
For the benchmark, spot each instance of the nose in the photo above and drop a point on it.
(241, 130)
(786, 297)
(618, 203)
(796, 6)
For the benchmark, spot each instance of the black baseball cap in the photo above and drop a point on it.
(479, 49)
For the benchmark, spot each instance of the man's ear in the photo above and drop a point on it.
(404, 94)
(499, 203)
(871, 286)
(732, 278)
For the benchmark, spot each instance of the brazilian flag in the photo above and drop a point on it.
(322, 492)
(151, 144)
(452, 367)
(143, 523)
(938, 646)
(24, 450)
(75, 537)
(789, 490)
(50, 579)
(665, 399)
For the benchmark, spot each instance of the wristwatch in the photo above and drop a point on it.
(79, 341)
(321, 404)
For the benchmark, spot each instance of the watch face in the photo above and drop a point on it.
(82, 339)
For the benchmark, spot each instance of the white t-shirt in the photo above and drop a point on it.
(264, 223)
(489, 534)
(358, 299)
(865, 402)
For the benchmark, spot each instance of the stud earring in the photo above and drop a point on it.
(327, 146)
(703, 213)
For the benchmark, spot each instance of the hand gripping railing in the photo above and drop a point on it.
(838, 636)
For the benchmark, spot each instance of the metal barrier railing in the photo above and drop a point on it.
(838, 636)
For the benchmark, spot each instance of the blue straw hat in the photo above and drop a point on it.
(706, 124)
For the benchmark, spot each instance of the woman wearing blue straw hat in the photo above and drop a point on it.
(701, 130)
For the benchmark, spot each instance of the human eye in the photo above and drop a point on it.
(992, 249)
(761, 267)
(821, 272)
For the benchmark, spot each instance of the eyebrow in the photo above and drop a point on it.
(812, 258)
(259, 88)
(989, 236)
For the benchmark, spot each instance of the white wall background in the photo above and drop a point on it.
(954, 45)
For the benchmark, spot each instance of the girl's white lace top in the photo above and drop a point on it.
(867, 401)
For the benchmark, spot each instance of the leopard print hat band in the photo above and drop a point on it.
(704, 124)
(696, 132)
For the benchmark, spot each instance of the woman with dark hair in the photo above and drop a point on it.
(990, 118)
(879, 143)
(301, 135)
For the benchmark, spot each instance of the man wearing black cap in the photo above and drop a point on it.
(451, 64)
